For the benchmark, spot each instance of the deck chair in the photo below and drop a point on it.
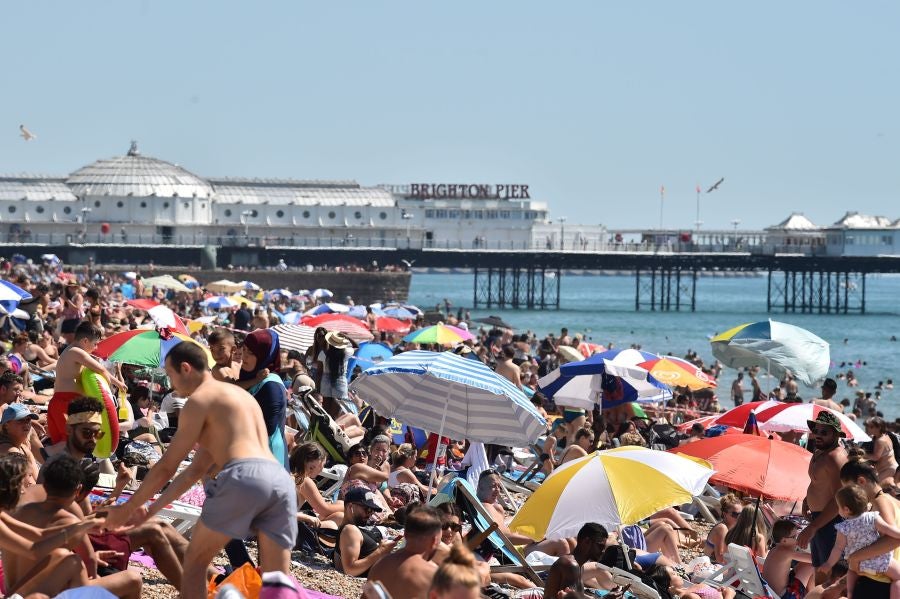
(330, 480)
(740, 568)
(325, 431)
(638, 587)
(461, 492)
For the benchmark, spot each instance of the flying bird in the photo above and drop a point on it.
(408, 263)
(715, 185)
(26, 134)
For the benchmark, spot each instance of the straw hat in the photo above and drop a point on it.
(337, 340)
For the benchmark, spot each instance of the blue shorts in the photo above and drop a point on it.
(823, 541)
(572, 415)
(647, 560)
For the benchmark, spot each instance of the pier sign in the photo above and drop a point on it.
(471, 191)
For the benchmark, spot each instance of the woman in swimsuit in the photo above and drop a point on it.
(715, 545)
(307, 461)
(882, 454)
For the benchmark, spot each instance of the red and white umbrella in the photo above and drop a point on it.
(341, 323)
(162, 316)
(392, 325)
(737, 416)
(793, 417)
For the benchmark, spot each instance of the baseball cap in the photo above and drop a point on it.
(16, 411)
(363, 497)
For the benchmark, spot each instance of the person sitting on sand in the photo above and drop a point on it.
(408, 572)
(489, 487)
(361, 474)
(584, 443)
(63, 481)
(306, 463)
(567, 572)
(402, 481)
(360, 546)
(785, 563)
(730, 506)
(749, 531)
(68, 370)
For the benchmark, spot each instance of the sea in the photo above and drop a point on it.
(602, 308)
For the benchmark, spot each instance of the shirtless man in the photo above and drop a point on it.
(829, 388)
(489, 486)
(68, 369)
(737, 390)
(507, 368)
(568, 571)
(63, 480)
(407, 573)
(824, 481)
(247, 490)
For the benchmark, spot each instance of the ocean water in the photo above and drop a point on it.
(602, 307)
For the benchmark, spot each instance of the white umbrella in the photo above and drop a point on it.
(294, 336)
(166, 282)
(224, 286)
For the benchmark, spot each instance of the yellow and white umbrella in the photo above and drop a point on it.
(614, 488)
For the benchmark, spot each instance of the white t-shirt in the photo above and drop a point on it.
(172, 402)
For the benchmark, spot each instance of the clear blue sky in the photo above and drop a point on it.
(595, 105)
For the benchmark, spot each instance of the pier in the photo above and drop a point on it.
(532, 278)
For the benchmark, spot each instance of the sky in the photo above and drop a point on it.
(595, 105)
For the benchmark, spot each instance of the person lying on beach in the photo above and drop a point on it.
(63, 482)
(489, 487)
(666, 578)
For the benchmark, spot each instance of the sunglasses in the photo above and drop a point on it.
(363, 454)
(734, 514)
(91, 434)
(454, 526)
(822, 430)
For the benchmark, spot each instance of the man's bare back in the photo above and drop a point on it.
(39, 515)
(508, 370)
(404, 575)
(68, 369)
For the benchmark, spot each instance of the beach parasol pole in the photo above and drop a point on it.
(437, 445)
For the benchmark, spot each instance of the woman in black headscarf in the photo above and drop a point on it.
(261, 350)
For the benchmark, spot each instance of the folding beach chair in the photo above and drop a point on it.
(637, 587)
(325, 431)
(741, 568)
(461, 492)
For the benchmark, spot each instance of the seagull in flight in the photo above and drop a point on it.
(26, 134)
(715, 185)
(408, 263)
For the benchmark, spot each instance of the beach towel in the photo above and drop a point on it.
(477, 462)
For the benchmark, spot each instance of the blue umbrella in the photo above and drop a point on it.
(616, 374)
(218, 302)
(399, 312)
(291, 317)
(13, 292)
(367, 355)
(452, 396)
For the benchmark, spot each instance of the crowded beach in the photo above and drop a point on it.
(164, 436)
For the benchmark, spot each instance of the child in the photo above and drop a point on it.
(860, 529)
(777, 568)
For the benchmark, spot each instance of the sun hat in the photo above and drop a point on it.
(16, 411)
(826, 419)
(362, 497)
(337, 340)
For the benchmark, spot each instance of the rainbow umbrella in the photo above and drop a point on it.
(143, 347)
(614, 488)
(441, 334)
(677, 372)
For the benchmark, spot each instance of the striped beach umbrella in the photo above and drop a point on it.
(341, 323)
(219, 302)
(795, 416)
(449, 395)
(294, 336)
(143, 347)
(614, 488)
(677, 372)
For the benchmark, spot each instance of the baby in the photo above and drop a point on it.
(859, 529)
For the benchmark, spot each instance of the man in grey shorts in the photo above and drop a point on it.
(247, 491)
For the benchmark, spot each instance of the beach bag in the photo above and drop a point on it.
(245, 579)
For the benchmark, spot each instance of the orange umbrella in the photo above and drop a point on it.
(676, 372)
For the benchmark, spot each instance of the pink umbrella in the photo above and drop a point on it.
(793, 417)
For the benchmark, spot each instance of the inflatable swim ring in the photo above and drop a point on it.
(96, 386)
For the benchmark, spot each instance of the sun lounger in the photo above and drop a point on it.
(462, 493)
(740, 568)
(183, 516)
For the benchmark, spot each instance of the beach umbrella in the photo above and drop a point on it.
(578, 393)
(706, 422)
(392, 325)
(162, 316)
(568, 354)
(588, 349)
(616, 373)
(398, 312)
(494, 321)
(189, 281)
(321, 293)
(240, 299)
(130, 275)
(758, 466)
(778, 347)
(368, 354)
(12, 292)
(249, 286)
(451, 396)
(677, 372)
(292, 317)
(327, 308)
(360, 312)
(294, 336)
(51, 259)
(282, 292)
(195, 324)
(341, 323)
(793, 417)
(219, 302)
(738, 415)
(617, 487)
(166, 282)
(143, 347)
(224, 286)
(441, 334)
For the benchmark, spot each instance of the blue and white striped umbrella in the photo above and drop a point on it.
(452, 396)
